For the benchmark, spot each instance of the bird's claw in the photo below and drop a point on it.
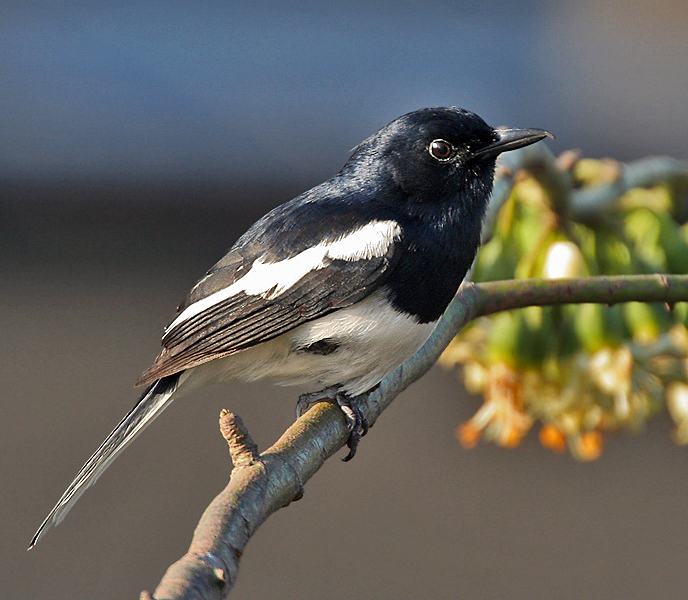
(307, 400)
(355, 420)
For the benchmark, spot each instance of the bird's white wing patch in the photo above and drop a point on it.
(269, 280)
(368, 242)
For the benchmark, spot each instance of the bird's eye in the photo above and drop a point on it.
(440, 149)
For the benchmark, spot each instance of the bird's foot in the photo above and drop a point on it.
(307, 400)
(358, 424)
(355, 420)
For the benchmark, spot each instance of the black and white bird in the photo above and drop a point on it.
(337, 287)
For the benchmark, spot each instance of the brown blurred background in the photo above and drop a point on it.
(138, 142)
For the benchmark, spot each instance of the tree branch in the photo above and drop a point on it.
(581, 204)
(587, 202)
(496, 296)
(262, 483)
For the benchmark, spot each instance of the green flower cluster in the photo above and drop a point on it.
(578, 370)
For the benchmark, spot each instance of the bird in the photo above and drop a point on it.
(337, 287)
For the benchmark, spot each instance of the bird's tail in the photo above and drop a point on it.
(153, 401)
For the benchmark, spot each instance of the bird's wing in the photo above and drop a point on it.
(246, 301)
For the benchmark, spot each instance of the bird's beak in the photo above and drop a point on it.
(510, 139)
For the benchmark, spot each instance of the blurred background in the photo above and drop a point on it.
(139, 139)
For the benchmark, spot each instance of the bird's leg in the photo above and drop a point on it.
(355, 420)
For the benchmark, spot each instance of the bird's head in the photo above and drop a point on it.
(436, 155)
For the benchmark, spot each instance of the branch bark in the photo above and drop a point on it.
(262, 483)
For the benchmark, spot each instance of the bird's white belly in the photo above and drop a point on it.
(372, 339)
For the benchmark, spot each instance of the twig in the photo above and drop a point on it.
(586, 203)
(589, 202)
(261, 484)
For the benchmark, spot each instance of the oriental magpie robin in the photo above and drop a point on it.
(337, 287)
